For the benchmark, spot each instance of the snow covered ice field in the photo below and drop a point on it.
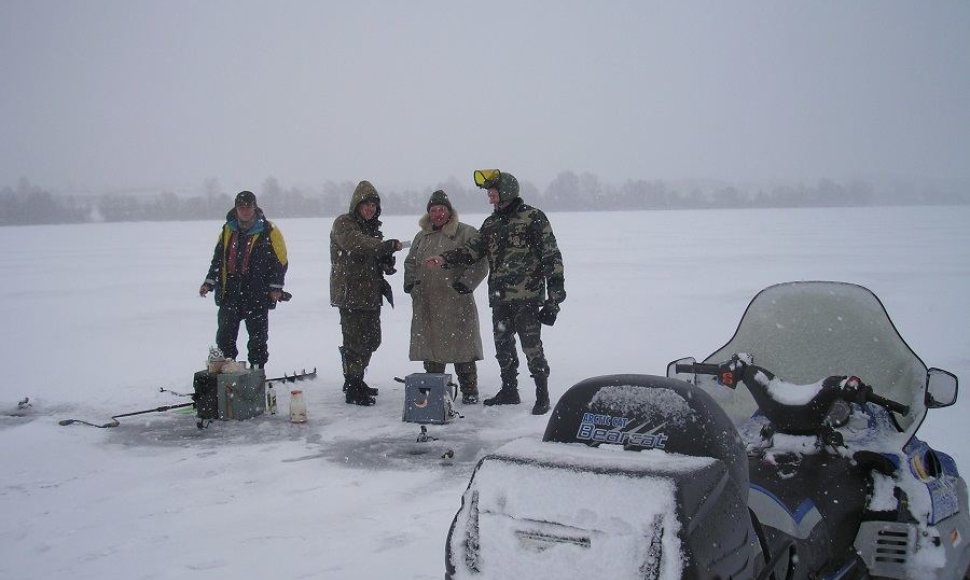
(96, 318)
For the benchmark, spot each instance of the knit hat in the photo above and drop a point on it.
(245, 198)
(439, 197)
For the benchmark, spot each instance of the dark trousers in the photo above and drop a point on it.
(509, 320)
(361, 331)
(257, 326)
(467, 374)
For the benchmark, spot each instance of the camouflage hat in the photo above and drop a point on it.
(508, 187)
(439, 197)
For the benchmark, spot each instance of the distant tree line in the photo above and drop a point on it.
(29, 204)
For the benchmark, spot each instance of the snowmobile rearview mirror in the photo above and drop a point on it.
(941, 388)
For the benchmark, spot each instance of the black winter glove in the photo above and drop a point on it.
(387, 264)
(460, 288)
(388, 247)
(556, 289)
(408, 286)
(548, 313)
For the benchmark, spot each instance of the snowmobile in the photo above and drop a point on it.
(812, 470)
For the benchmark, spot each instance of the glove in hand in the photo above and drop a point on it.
(387, 264)
(555, 287)
(460, 288)
(548, 313)
(388, 247)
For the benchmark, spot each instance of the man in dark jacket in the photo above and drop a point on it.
(359, 259)
(526, 282)
(246, 274)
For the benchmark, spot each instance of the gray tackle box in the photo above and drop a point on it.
(230, 395)
(428, 398)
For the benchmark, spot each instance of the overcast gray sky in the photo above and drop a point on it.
(99, 94)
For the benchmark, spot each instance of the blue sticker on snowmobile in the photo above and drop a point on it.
(595, 428)
(941, 484)
(773, 512)
(944, 499)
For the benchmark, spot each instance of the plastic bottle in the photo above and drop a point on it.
(297, 406)
(270, 399)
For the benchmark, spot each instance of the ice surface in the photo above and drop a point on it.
(96, 318)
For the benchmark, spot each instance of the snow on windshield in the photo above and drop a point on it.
(804, 332)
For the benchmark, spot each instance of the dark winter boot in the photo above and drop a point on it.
(371, 391)
(542, 395)
(507, 395)
(352, 365)
(357, 392)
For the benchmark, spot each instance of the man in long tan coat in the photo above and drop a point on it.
(444, 323)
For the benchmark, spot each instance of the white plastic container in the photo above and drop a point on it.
(297, 407)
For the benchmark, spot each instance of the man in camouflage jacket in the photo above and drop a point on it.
(526, 284)
(359, 259)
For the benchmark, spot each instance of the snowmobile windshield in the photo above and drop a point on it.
(807, 331)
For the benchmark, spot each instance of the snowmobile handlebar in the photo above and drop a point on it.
(718, 371)
(795, 418)
(698, 368)
(860, 392)
(890, 404)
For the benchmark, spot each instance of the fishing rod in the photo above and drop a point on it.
(286, 378)
(114, 419)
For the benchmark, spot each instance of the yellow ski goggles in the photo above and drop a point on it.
(487, 178)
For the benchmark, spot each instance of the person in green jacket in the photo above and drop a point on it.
(360, 257)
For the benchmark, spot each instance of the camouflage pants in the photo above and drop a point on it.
(467, 374)
(509, 320)
(361, 331)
